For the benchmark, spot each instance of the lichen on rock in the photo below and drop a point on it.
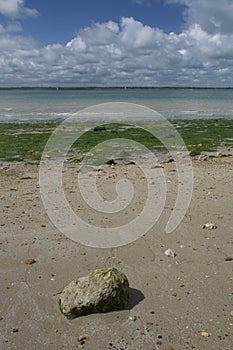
(103, 290)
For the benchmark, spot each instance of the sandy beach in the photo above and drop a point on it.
(181, 302)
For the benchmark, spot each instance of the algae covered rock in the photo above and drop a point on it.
(103, 290)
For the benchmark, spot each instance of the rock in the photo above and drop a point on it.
(205, 334)
(15, 330)
(103, 290)
(110, 162)
(100, 128)
(202, 157)
(82, 338)
(170, 253)
(29, 261)
(209, 226)
(229, 258)
(132, 318)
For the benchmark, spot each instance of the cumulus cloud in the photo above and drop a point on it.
(16, 8)
(213, 16)
(12, 27)
(125, 53)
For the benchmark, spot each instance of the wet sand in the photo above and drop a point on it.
(173, 299)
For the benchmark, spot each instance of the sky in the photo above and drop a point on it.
(116, 43)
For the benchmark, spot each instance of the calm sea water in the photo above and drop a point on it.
(29, 105)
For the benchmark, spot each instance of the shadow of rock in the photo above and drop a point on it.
(136, 296)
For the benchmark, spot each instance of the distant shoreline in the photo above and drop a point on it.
(114, 88)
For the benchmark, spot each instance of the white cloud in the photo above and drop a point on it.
(213, 16)
(129, 53)
(16, 8)
(77, 44)
(14, 27)
(139, 36)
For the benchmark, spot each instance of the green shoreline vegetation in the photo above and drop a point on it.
(26, 142)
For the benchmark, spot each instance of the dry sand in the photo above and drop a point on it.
(173, 300)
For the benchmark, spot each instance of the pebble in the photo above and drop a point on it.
(202, 157)
(132, 318)
(170, 253)
(81, 341)
(29, 261)
(205, 334)
(229, 258)
(82, 337)
(209, 226)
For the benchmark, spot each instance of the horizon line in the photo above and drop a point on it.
(109, 87)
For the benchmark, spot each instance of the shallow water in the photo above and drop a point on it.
(30, 105)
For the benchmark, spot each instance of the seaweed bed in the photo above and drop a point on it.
(21, 141)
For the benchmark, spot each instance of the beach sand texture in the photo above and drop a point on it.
(182, 302)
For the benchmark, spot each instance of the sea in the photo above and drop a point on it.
(29, 105)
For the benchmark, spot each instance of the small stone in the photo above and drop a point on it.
(110, 162)
(205, 334)
(229, 258)
(170, 253)
(170, 348)
(29, 261)
(103, 290)
(82, 338)
(231, 313)
(209, 226)
(132, 318)
(203, 157)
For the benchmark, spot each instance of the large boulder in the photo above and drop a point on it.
(103, 290)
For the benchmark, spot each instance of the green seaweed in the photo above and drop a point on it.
(21, 141)
(207, 135)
